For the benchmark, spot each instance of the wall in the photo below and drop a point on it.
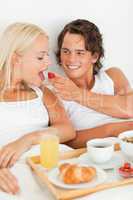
(113, 17)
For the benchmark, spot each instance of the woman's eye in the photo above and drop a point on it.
(40, 58)
(65, 51)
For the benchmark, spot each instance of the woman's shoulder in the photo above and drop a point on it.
(17, 96)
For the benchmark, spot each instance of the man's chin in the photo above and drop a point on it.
(73, 75)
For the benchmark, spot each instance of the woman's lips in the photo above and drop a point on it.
(41, 74)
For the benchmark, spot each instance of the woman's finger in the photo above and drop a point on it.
(10, 176)
(3, 154)
(13, 160)
(6, 159)
(8, 182)
(4, 187)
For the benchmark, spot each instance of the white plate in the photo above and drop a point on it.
(53, 176)
(116, 161)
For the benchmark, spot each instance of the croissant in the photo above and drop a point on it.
(74, 174)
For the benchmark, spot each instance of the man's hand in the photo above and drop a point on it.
(66, 89)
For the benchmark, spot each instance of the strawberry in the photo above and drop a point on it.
(121, 169)
(127, 165)
(51, 75)
(126, 170)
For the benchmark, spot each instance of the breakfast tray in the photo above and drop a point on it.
(63, 194)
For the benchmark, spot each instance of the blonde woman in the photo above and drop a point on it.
(28, 110)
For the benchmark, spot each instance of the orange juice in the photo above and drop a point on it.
(49, 151)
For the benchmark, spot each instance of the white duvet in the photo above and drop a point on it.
(30, 187)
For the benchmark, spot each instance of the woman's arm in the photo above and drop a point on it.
(106, 130)
(59, 125)
(59, 122)
(58, 117)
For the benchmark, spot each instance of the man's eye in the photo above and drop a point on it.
(80, 53)
(65, 51)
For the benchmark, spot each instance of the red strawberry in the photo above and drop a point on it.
(127, 165)
(126, 170)
(121, 169)
(51, 75)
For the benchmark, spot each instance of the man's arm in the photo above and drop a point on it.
(119, 105)
(106, 130)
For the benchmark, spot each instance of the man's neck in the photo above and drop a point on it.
(85, 82)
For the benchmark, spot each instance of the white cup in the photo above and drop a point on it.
(126, 147)
(100, 150)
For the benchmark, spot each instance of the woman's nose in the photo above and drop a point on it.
(48, 61)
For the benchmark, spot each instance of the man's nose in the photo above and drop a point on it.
(72, 57)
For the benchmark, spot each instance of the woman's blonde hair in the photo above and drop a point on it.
(17, 38)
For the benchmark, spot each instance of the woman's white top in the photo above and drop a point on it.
(22, 117)
(17, 119)
(84, 117)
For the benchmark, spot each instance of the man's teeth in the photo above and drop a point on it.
(73, 67)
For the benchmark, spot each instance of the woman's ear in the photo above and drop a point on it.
(95, 57)
(15, 60)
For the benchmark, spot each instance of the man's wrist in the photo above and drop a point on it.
(78, 97)
(83, 97)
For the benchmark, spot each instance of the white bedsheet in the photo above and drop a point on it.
(31, 188)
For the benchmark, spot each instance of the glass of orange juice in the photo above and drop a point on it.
(49, 151)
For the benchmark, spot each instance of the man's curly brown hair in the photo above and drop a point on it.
(92, 36)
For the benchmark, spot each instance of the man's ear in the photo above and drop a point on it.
(95, 57)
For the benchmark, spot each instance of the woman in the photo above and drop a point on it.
(95, 99)
(27, 112)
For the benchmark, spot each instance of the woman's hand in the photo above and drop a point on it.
(8, 182)
(66, 89)
(11, 152)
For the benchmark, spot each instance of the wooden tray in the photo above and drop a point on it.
(61, 194)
